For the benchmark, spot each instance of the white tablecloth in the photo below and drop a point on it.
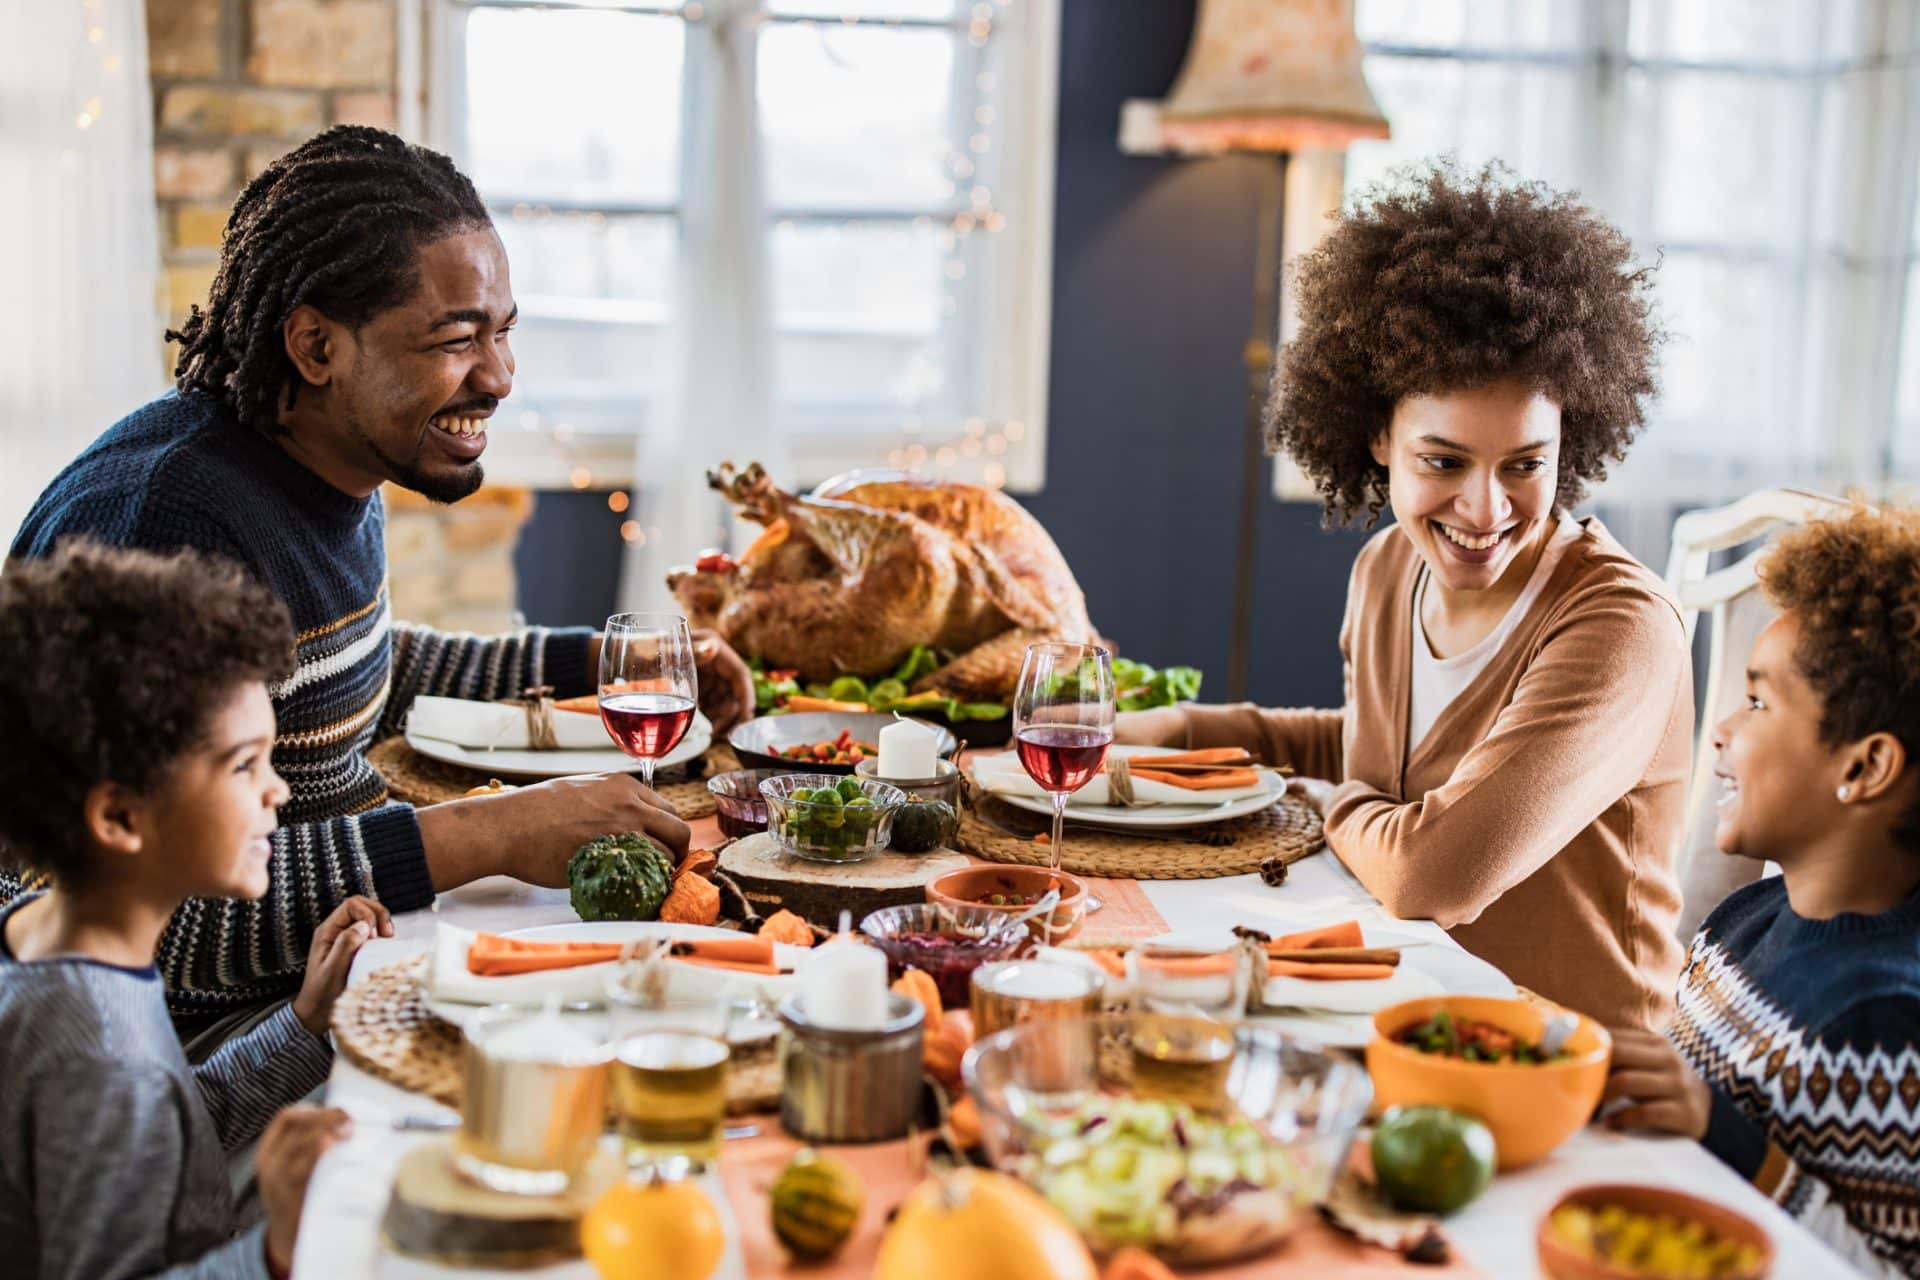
(340, 1226)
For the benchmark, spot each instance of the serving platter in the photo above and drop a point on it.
(560, 764)
(758, 741)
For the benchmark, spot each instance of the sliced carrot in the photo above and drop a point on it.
(801, 702)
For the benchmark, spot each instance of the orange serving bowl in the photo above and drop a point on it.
(1530, 1107)
(970, 886)
(1561, 1262)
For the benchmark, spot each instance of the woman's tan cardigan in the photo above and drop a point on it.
(1539, 819)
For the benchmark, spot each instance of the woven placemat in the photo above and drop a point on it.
(417, 780)
(384, 1027)
(1276, 836)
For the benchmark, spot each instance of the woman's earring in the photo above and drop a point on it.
(1844, 793)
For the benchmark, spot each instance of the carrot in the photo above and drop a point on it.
(801, 702)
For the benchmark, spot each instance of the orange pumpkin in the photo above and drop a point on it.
(694, 899)
(644, 1230)
(1134, 1263)
(971, 1224)
(916, 984)
(784, 926)
(940, 1053)
(963, 1121)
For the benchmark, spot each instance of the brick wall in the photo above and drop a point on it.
(237, 83)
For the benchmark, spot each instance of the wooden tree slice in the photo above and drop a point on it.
(435, 1213)
(819, 891)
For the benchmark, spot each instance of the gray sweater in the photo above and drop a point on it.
(112, 1148)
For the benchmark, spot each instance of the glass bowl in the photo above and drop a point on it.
(841, 830)
(947, 944)
(1061, 1109)
(737, 801)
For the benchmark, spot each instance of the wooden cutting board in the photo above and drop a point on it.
(819, 891)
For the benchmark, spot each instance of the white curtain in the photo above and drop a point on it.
(720, 404)
(1770, 163)
(80, 331)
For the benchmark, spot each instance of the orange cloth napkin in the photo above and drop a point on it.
(492, 956)
(1344, 934)
(1142, 767)
(746, 955)
(1337, 971)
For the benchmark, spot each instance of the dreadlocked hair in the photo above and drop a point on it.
(333, 224)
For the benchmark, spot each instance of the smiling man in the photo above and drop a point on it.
(358, 333)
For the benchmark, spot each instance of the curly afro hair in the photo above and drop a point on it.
(1853, 584)
(112, 664)
(1438, 280)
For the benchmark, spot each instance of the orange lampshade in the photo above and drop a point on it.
(1262, 75)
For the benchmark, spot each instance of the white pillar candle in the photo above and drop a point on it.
(907, 750)
(843, 984)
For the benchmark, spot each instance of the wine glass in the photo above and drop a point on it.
(648, 688)
(1063, 721)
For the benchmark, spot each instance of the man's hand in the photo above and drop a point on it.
(726, 683)
(293, 1143)
(530, 833)
(1666, 1094)
(330, 956)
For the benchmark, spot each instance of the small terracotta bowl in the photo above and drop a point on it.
(1560, 1262)
(1531, 1107)
(971, 886)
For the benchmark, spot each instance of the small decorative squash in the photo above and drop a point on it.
(784, 926)
(653, 1230)
(1135, 1263)
(916, 984)
(940, 1052)
(971, 1224)
(494, 787)
(816, 1202)
(694, 899)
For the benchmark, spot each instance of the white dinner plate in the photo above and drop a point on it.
(615, 931)
(560, 764)
(1164, 817)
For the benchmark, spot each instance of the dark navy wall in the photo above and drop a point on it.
(1152, 301)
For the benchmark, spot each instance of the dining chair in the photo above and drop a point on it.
(1738, 612)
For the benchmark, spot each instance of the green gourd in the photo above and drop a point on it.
(923, 826)
(622, 877)
(816, 1201)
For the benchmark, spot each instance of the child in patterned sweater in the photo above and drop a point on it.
(1795, 1052)
(135, 770)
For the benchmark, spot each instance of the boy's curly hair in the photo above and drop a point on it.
(112, 665)
(1438, 280)
(1853, 583)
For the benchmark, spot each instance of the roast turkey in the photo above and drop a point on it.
(849, 581)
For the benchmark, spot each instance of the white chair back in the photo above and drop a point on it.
(1738, 612)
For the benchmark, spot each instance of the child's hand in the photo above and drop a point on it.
(1666, 1094)
(291, 1146)
(331, 955)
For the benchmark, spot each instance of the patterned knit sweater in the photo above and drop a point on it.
(180, 472)
(1808, 1032)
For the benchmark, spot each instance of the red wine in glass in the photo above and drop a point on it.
(647, 725)
(1063, 757)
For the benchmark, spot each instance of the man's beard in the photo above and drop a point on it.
(447, 488)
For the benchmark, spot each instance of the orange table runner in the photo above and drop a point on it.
(749, 1166)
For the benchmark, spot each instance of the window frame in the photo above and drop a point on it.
(1010, 332)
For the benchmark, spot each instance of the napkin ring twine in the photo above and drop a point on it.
(1119, 782)
(537, 702)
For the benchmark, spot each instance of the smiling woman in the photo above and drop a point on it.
(1513, 750)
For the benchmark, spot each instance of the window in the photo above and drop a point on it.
(906, 164)
(1763, 150)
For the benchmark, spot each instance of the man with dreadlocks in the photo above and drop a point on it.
(356, 333)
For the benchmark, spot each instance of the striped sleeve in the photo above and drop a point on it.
(457, 664)
(250, 1077)
(218, 954)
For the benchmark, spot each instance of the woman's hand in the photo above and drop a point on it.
(1665, 1093)
(293, 1143)
(335, 943)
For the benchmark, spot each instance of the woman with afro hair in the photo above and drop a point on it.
(1512, 757)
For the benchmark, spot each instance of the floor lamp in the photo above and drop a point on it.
(1273, 78)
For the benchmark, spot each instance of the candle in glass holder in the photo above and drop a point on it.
(1015, 991)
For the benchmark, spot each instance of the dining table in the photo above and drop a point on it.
(1495, 1235)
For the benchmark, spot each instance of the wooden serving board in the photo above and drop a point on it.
(435, 1213)
(819, 891)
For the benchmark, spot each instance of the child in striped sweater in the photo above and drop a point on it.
(1795, 1053)
(135, 771)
